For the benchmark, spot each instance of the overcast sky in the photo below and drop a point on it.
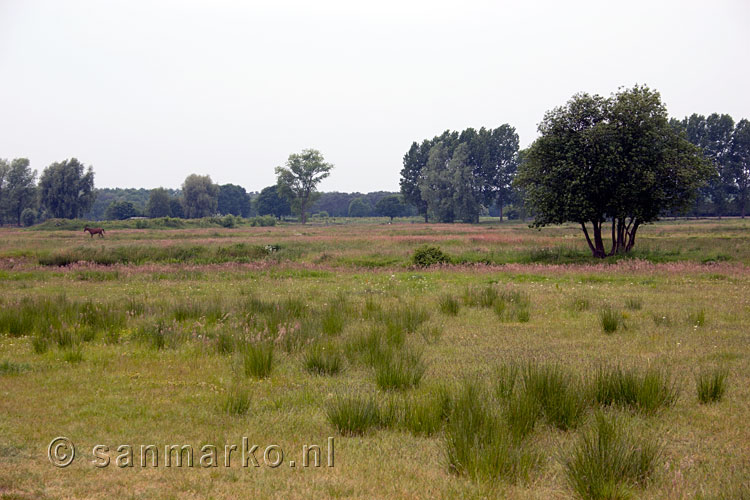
(150, 91)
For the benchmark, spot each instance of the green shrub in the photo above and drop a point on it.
(610, 459)
(711, 385)
(353, 415)
(426, 256)
(645, 392)
(323, 360)
(256, 359)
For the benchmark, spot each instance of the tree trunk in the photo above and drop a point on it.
(501, 212)
(599, 252)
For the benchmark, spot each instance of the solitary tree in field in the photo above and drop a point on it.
(200, 196)
(390, 206)
(610, 159)
(297, 182)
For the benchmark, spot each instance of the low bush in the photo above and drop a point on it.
(426, 256)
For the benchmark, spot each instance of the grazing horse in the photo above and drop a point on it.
(94, 230)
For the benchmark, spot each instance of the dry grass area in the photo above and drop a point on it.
(479, 379)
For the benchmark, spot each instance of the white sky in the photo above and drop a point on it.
(150, 91)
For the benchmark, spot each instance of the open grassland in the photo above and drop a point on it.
(522, 369)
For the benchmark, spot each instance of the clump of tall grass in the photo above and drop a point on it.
(420, 414)
(225, 342)
(661, 319)
(711, 385)
(236, 401)
(646, 391)
(353, 415)
(506, 378)
(521, 412)
(369, 347)
(580, 304)
(159, 335)
(372, 308)
(399, 370)
(39, 343)
(512, 306)
(256, 359)
(561, 396)
(431, 333)
(697, 318)
(323, 359)
(400, 321)
(610, 320)
(333, 319)
(8, 367)
(479, 445)
(610, 459)
(449, 305)
(482, 297)
(211, 311)
(73, 354)
(634, 303)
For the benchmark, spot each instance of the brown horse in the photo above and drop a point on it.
(94, 230)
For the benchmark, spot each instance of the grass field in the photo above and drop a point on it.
(521, 369)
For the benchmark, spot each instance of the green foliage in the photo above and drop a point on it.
(233, 200)
(18, 194)
(158, 203)
(353, 415)
(359, 207)
(391, 206)
(610, 158)
(426, 256)
(10, 368)
(697, 318)
(28, 217)
(711, 385)
(121, 210)
(269, 202)
(646, 391)
(199, 196)
(297, 181)
(610, 459)
(65, 190)
(634, 303)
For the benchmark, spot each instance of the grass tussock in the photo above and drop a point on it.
(644, 391)
(236, 401)
(634, 303)
(479, 445)
(323, 360)
(561, 396)
(610, 320)
(8, 367)
(449, 305)
(711, 385)
(353, 415)
(610, 460)
(399, 369)
(256, 359)
(697, 318)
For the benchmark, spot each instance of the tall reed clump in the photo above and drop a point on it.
(256, 359)
(512, 305)
(236, 401)
(610, 320)
(353, 415)
(323, 359)
(479, 445)
(711, 385)
(449, 305)
(646, 391)
(562, 397)
(399, 370)
(611, 459)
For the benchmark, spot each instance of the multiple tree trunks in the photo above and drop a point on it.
(624, 230)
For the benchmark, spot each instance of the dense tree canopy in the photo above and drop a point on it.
(233, 199)
(66, 189)
(360, 207)
(390, 206)
(615, 158)
(199, 196)
(269, 202)
(298, 180)
(481, 174)
(158, 203)
(121, 210)
(17, 189)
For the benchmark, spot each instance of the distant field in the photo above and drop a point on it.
(474, 379)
